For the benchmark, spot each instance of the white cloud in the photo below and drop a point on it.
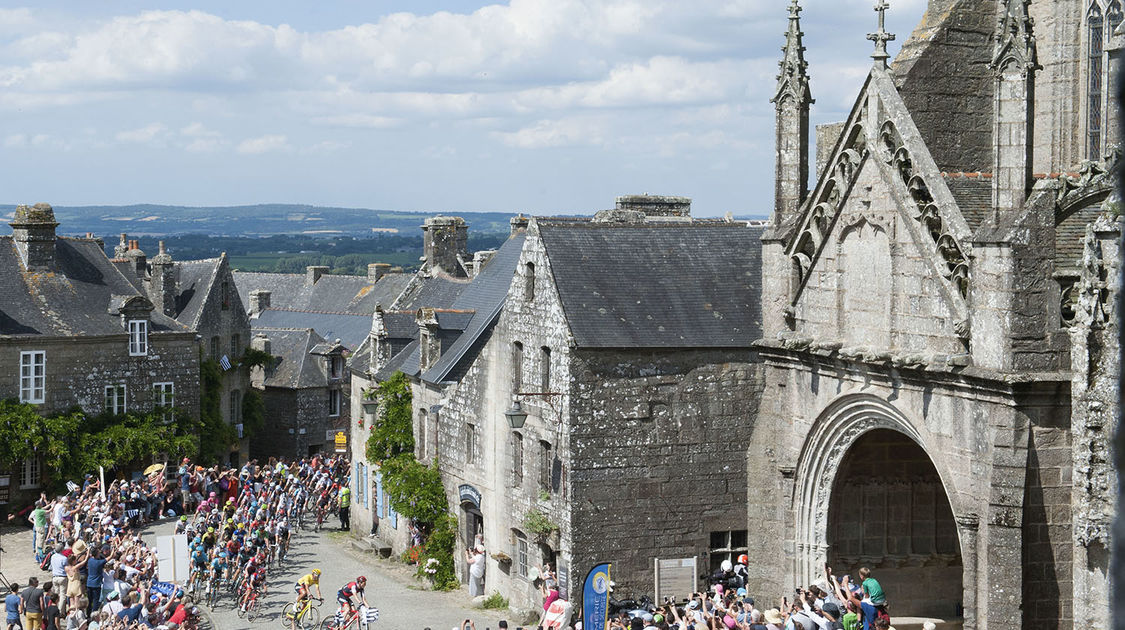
(555, 133)
(263, 144)
(359, 120)
(143, 135)
(15, 141)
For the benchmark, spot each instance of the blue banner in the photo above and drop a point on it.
(595, 598)
(164, 588)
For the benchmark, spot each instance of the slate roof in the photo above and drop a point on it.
(439, 291)
(338, 294)
(657, 285)
(973, 196)
(295, 368)
(485, 297)
(75, 300)
(194, 281)
(1069, 234)
(349, 328)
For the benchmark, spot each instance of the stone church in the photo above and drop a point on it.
(939, 338)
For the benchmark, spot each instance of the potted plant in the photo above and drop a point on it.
(370, 400)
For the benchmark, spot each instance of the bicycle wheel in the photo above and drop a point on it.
(310, 619)
(286, 616)
(241, 609)
(252, 609)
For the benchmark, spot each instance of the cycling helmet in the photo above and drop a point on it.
(743, 559)
(361, 579)
(197, 541)
(222, 554)
(316, 572)
(210, 530)
(183, 519)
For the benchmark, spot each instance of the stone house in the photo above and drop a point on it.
(447, 271)
(305, 392)
(75, 331)
(626, 340)
(201, 295)
(938, 346)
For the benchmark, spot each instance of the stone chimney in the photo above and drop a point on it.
(122, 246)
(519, 222)
(429, 344)
(480, 259)
(33, 231)
(375, 271)
(445, 241)
(655, 205)
(137, 258)
(313, 273)
(258, 373)
(379, 347)
(259, 301)
(162, 286)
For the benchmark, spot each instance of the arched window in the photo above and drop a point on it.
(1095, 24)
(1114, 15)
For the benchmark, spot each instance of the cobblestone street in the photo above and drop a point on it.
(402, 603)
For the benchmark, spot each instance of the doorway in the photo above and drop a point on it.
(889, 512)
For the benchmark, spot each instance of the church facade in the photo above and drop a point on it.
(939, 344)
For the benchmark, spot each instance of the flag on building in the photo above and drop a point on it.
(225, 363)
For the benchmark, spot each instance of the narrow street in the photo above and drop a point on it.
(402, 603)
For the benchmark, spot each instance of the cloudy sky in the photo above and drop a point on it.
(534, 105)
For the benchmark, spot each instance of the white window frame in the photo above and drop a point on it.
(30, 473)
(164, 395)
(33, 377)
(138, 337)
(522, 555)
(118, 404)
(334, 403)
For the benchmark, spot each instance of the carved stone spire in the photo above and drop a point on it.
(1014, 40)
(792, 100)
(379, 348)
(794, 77)
(1014, 63)
(881, 36)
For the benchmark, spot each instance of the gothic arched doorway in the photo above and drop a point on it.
(889, 512)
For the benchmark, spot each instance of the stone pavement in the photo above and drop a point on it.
(401, 600)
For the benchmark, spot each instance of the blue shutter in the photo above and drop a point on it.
(379, 495)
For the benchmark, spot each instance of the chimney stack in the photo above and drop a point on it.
(375, 271)
(137, 258)
(445, 242)
(162, 286)
(518, 222)
(259, 301)
(313, 274)
(122, 246)
(429, 344)
(33, 231)
(655, 205)
(379, 347)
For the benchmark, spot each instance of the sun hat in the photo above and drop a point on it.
(773, 616)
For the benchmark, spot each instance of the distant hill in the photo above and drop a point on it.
(257, 220)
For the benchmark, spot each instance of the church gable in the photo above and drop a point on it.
(881, 258)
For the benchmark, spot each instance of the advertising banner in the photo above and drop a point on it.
(595, 598)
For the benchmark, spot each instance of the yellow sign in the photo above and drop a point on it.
(341, 442)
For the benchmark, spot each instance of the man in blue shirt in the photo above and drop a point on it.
(12, 608)
(94, 567)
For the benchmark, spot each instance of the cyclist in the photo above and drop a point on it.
(344, 596)
(255, 582)
(219, 567)
(198, 557)
(302, 589)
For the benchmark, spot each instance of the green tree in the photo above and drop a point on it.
(215, 435)
(393, 434)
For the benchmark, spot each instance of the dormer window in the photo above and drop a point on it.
(335, 366)
(138, 337)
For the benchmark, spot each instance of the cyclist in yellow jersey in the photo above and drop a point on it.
(302, 587)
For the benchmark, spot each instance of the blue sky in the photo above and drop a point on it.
(540, 106)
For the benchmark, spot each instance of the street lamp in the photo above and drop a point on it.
(516, 416)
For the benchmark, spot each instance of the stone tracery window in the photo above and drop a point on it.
(1095, 46)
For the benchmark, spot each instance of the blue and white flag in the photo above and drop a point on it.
(225, 363)
(595, 598)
